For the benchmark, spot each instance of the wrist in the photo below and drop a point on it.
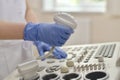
(30, 31)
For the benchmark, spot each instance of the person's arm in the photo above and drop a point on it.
(30, 16)
(9, 30)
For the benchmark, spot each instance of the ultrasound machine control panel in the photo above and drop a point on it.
(99, 61)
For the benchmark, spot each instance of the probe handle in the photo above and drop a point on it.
(65, 20)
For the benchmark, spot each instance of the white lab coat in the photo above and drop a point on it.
(12, 10)
(17, 51)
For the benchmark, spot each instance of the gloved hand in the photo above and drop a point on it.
(43, 47)
(52, 34)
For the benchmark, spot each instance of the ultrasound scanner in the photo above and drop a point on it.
(84, 62)
(100, 61)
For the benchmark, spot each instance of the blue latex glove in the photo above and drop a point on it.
(43, 47)
(52, 34)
